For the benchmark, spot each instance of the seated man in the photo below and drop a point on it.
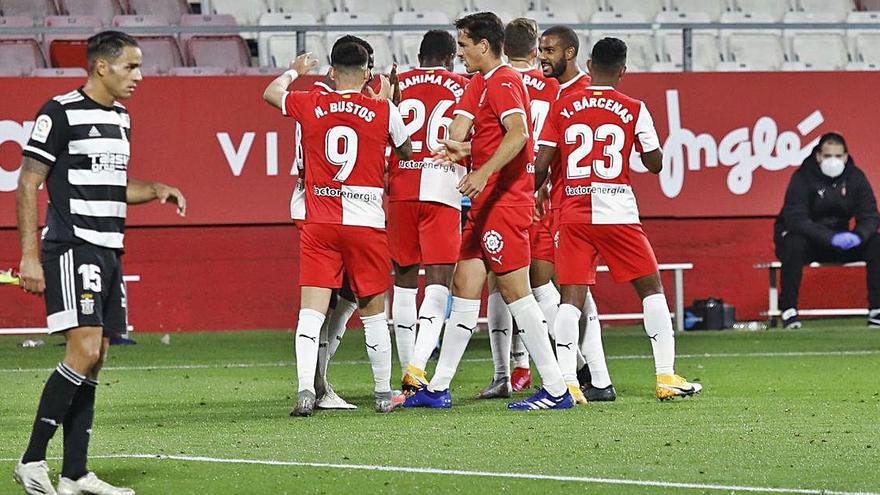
(824, 195)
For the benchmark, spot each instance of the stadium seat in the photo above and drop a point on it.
(69, 50)
(21, 57)
(379, 40)
(171, 10)
(758, 49)
(199, 71)
(547, 18)
(857, 66)
(217, 20)
(28, 8)
(407, 43)
(318, 8)
(835, 9)
(775, 9)
(104, 10)
(733, 67)
(816, 49)
(582, 10)
(17, 22)
(279, 49)
(245, 12)
(229, 52)
(864, 44)
(60, 72)
(648, 9)
(261, 71)
(161, 51)
(452, 8)
(641, 53)
(712, 8)
(511, 8)
(706, 46)
(385, 9)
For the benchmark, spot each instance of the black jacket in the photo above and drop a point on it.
(819, 207)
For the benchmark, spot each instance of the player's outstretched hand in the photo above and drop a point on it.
(167, 194)
(304, 63)
(473, 183)
(392, 76)
(541, 198)
(386, 91)
(451, 152)
(30, 274)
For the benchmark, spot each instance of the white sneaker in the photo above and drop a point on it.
(90, 484)
(34, 477)
(331, 400)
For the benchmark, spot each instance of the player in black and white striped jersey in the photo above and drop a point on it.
(80, 147)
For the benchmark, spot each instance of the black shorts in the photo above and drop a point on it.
(84, 288)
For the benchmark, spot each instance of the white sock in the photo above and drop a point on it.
(658, 326)
(566, 342)
(323, 355)
(548, 298)
(378, 342)
(533, 331)
(338, 323)
(519, 352)
(405, 316)
(500, 333)
(308, 331)
(591, 345)
(432, 313)
(461, 325)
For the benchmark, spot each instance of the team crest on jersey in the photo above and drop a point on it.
(42, 127)
(87, 304)
(493, 242)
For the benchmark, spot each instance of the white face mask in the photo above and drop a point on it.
(832, 167)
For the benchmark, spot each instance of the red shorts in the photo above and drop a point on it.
(498, 235)
(423, 233)
(624, 247)
(326, 250)
(542, 237)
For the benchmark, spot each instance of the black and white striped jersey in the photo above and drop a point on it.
(86, 146)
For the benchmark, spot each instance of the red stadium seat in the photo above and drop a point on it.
(170, 10)
(69, 50)
(102, 9)
(21, 57)
(28, 8)
(161, 51)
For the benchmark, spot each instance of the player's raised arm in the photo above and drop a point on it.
(277, 89)
(33, 174)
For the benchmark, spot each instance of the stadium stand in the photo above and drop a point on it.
(864, 45)
(69, 50)
(406, 44)
(712, 9)
(379, 40)
(385, 10)
(506, 9)
(161, 50)
(199, 71)
(759, 49)
(37, 9)
(245, 12)
(706, 49)
(646, 9)
(20, 57)
(278, 49)
(641, 54)
(171, 10)
(582, 10)
(227, 50)
(104, 10)
(452, 8)
(546, 18)
(774, 10)
(318, 8)
(78, 72)
(837, 10)
(815, 49)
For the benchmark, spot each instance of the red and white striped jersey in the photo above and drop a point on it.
(428, 97)
(487, 101)
(595, 130)
(344, 135)
(543, 91)
(298, 198)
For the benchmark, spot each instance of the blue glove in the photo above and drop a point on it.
(845, 240)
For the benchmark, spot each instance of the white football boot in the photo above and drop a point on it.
(34, 477)
(90, 485)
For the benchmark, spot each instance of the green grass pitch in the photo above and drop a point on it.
(780, 410)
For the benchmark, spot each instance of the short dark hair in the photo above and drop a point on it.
(350, 38)
(566, 35)
(107, 45)
(349, 56)
(520, 36)
(437, 44)
(609, 54)
(833, 138)
(483, 26)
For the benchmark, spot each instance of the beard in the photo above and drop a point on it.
(556, 69)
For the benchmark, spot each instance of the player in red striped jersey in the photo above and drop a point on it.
(424, 218)
(594, 131)
(344, 137)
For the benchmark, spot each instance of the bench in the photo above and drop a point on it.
(678, 270)
(773, 313)
(38, 330)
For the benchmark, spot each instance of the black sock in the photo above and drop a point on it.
(58, 393)
(78, 431)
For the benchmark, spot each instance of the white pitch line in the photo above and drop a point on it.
(483, 474)
(284, 364)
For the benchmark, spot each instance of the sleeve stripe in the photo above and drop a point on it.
(546, 143)
(513, 111)
(463, 113)
(38, 151)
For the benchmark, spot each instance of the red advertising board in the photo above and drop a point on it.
(731, 141)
